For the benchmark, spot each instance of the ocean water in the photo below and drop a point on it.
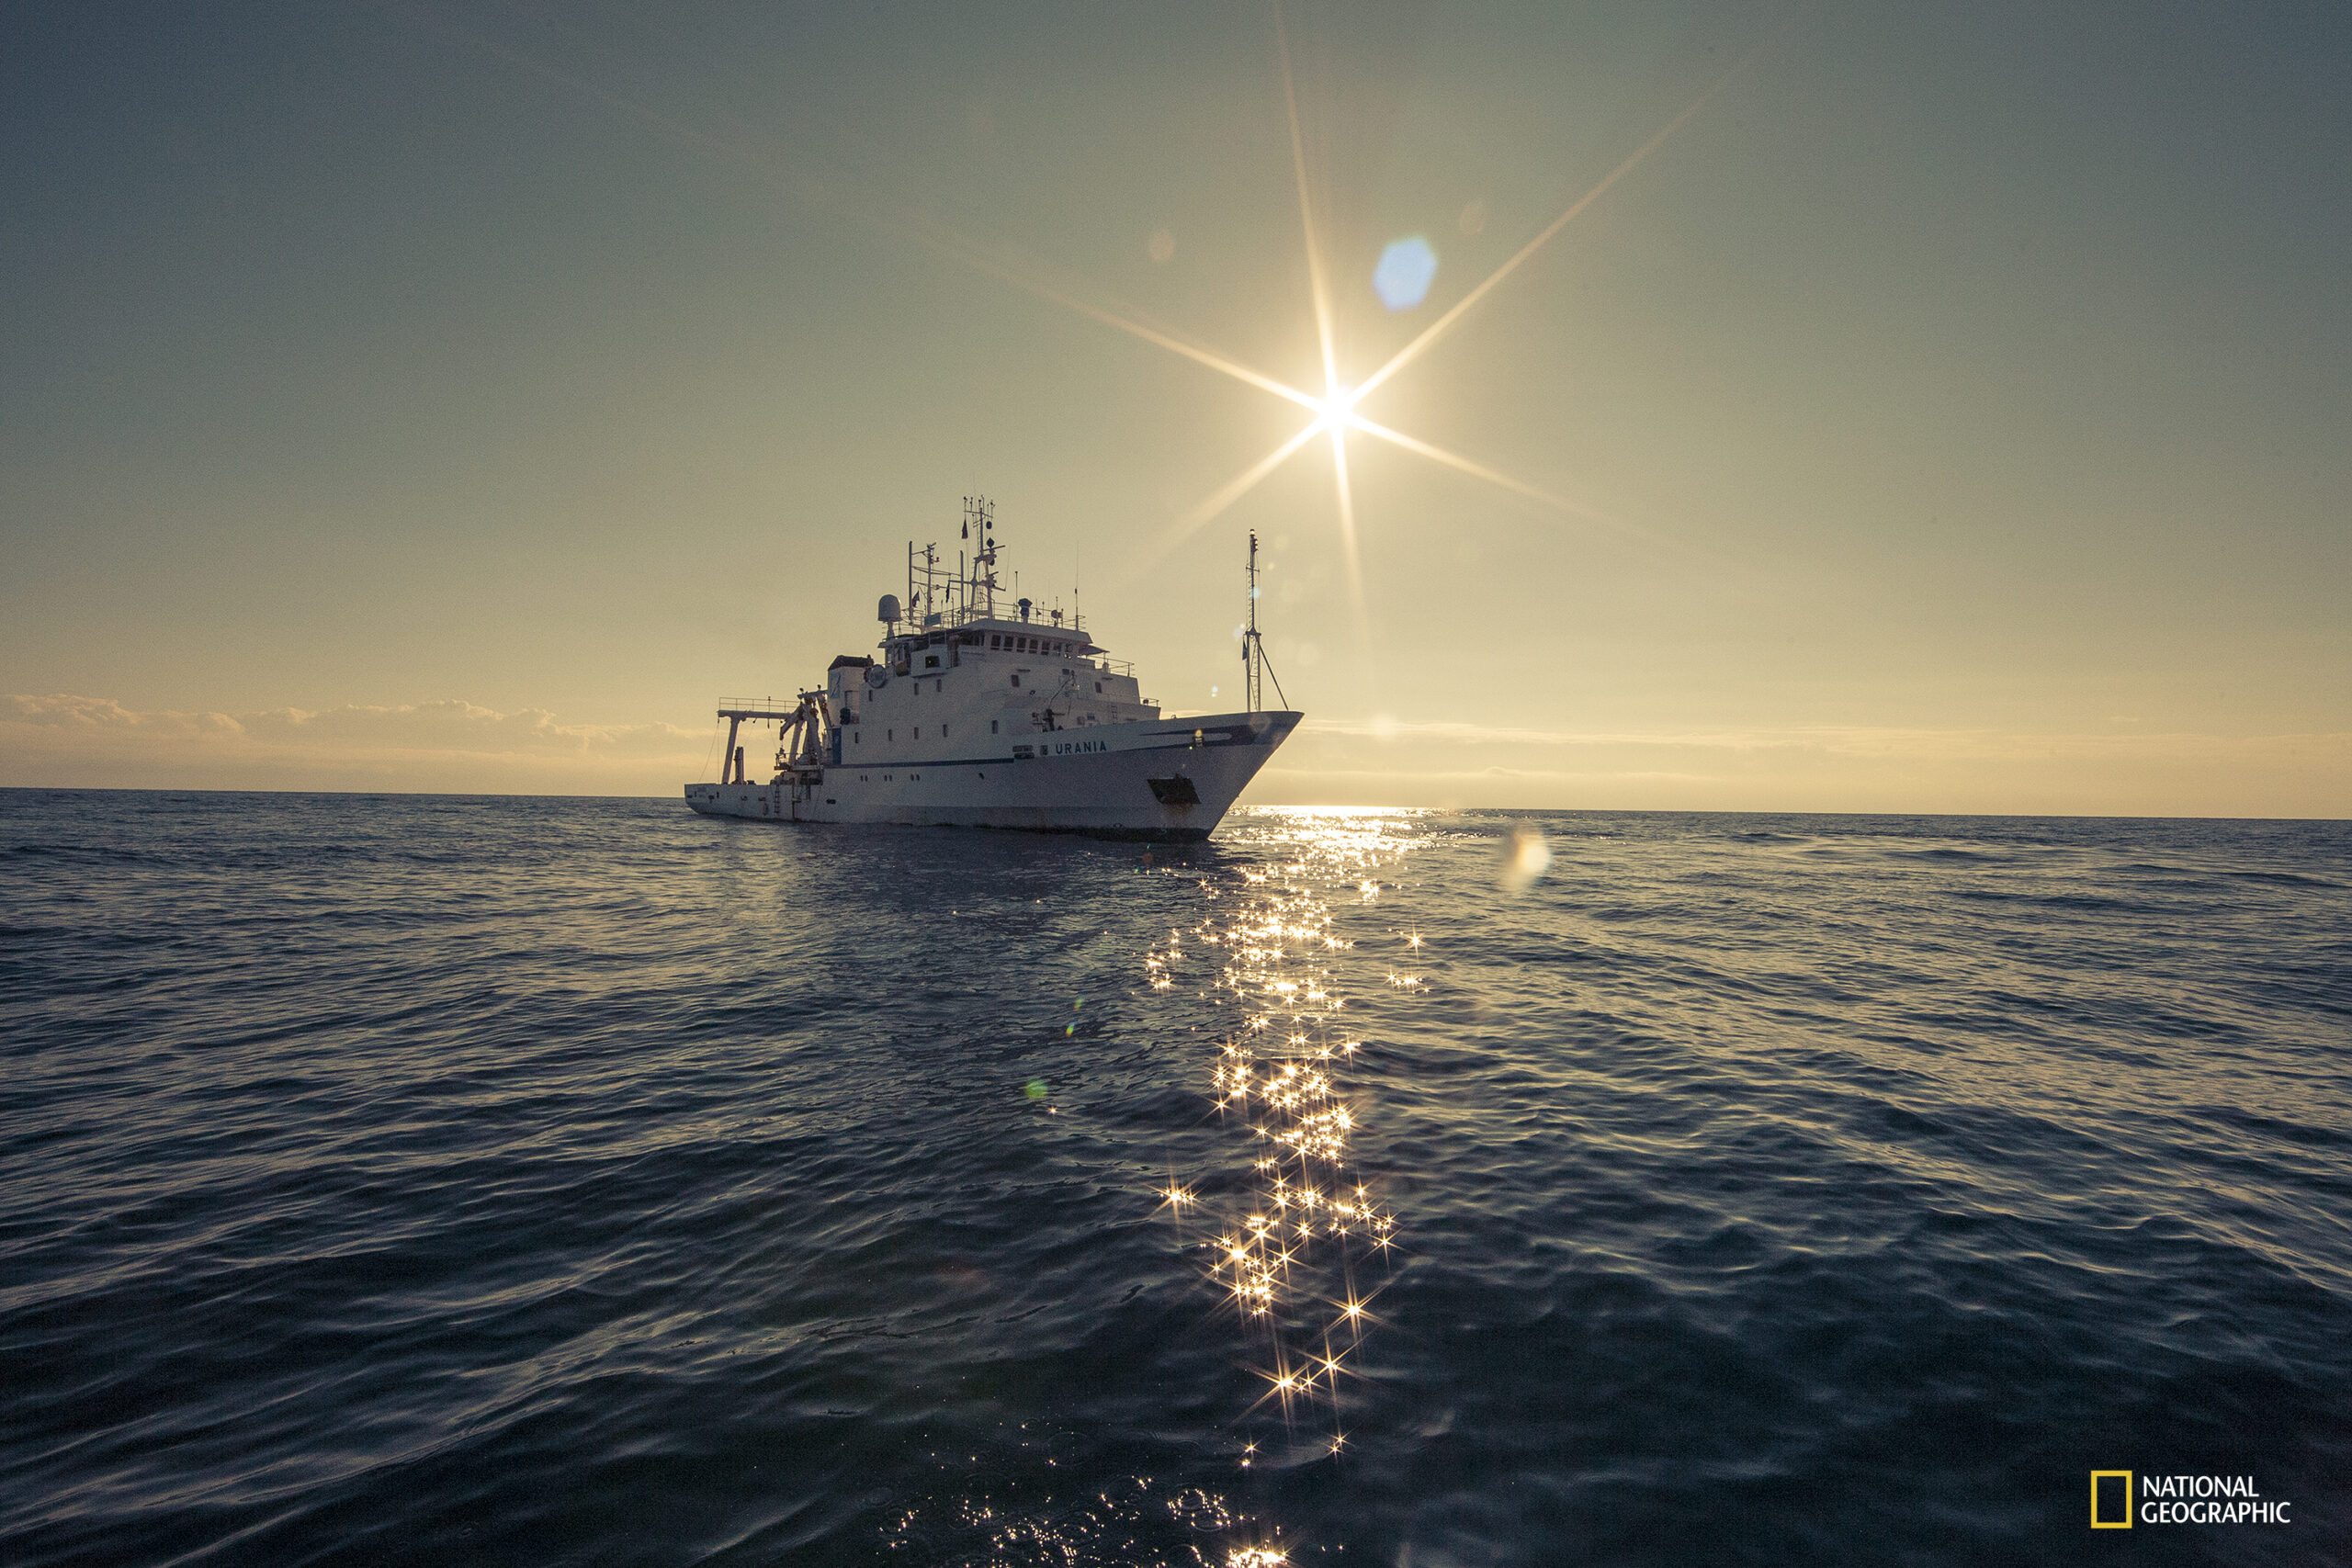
(425, 1179)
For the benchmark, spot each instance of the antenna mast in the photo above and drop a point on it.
(1254, 673)
(979, 525)
(1252, 657)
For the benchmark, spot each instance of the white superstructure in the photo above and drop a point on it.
(973, 718)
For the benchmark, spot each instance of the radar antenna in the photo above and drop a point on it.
(981, 584)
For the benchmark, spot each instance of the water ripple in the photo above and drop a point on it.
(518, 1180)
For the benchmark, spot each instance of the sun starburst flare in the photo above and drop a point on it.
(1334, 413)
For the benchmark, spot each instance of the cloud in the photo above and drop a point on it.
(446, 744)
(459, 747)
(455, 726)
(91, 716)
(1820, 768)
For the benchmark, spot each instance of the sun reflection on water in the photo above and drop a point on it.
(1295, 1241)
(1291, 1229)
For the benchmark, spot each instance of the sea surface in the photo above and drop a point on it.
(483, 1180)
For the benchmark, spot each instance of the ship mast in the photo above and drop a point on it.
(1251, 657)
(979, 589)
(1254, 670)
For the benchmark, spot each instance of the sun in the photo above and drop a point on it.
(1336, 410)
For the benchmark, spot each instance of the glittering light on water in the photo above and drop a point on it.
(1285, 1245)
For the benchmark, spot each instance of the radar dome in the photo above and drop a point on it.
(889, 609)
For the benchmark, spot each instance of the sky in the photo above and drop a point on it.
(1920, 408)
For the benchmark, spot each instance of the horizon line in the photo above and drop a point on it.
(1239, 806)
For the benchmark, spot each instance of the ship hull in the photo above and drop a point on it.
(1159, 780)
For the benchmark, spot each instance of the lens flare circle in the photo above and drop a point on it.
(1405, 272)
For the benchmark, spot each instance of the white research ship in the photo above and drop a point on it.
(975, 719)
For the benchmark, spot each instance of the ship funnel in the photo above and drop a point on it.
(889, 609)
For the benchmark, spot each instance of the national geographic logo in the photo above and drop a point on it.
(2181, 1500)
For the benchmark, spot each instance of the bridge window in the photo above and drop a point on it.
(991, 727)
